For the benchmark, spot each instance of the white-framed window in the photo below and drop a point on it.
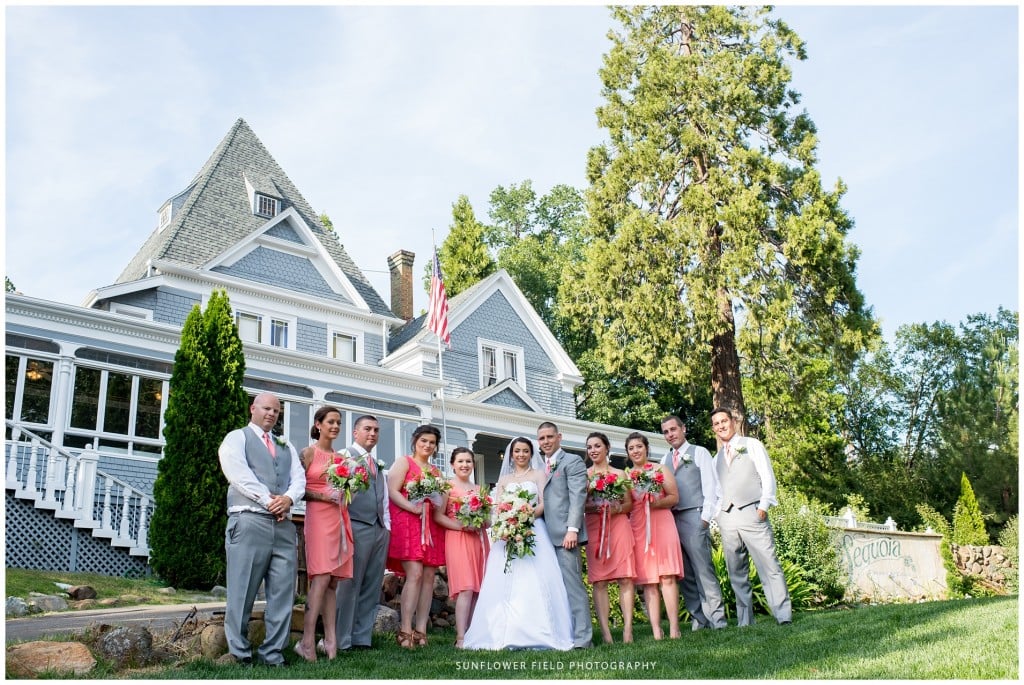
(165, 217)
(500, 361)
(249, 326)
(278, 333)
(266, 206)
(130, 310)
(343, 346)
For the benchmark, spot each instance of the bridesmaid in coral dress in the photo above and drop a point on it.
(416, 549)
(465, 548)
(328, 535)
(609, 555)
(661, 562)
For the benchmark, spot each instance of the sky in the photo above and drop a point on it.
(383, 116)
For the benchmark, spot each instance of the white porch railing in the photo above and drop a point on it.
(849, 520)
(72, 488)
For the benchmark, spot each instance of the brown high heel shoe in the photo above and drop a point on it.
(420, 638)
(406, 640)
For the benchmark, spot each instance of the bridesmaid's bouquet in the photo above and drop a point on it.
(513, 523)
(474, 510)
(347, 476)
(428, 486)
(608, 488)
(648, 479)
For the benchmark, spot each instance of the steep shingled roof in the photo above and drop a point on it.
(216, 214)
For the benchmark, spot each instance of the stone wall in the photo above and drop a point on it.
(988, 562)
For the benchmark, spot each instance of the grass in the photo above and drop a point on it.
(19, 582)
(971, 639)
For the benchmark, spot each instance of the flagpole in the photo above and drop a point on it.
(440, 372)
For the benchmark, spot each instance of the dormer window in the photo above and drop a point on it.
(499, 362)
(165, 217)
(267, 206)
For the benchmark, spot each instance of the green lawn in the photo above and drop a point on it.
(19, 582)
(972, 639)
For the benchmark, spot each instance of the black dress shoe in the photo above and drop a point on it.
(785, 623)
(361, 648)
(276, 664)
(245, 661)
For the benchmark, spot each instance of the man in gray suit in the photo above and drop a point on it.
(746, 488)
(697, 483)
(265, 478)
(564, 495)
(359, 595)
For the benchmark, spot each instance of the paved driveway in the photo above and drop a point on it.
(160, 617)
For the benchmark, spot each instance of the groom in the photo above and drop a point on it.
(564, 494)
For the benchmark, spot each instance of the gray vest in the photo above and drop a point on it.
(368, 506)
(691, 493)
(274, 473)
(741, 484)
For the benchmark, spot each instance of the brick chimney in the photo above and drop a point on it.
(400, 264)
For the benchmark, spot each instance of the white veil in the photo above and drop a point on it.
(536, 461)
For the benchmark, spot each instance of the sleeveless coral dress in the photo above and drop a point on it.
(325, 524)
(465, 553)
(610, 557)
(664, 556)
(409, 540)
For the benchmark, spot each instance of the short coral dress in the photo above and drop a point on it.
(410, 541)
(609, 556)
(664, 556)
(465, 553)
(325, 524)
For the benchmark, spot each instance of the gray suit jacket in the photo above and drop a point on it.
(564, 495)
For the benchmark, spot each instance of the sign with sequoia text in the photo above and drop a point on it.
(887, 565)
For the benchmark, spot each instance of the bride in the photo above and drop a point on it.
(526, 608)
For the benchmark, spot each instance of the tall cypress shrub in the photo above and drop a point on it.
(968, 523)
(207, 400)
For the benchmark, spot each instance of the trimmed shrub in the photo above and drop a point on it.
(803, 540)
(1009, 539)
(968, 523)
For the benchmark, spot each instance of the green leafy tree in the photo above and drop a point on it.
(8, 285)
(329, 225)
(711, 238)
(968, 523)
(207, 400)
(463, 255)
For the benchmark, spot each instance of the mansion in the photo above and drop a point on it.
(87, 386)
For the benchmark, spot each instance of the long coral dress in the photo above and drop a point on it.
(664, 556)
(324, 525)
(465, 553)
(609, 556)
(409, 540)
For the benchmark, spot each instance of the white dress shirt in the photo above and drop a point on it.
(708, 478)
(759, 455)
(236, 470)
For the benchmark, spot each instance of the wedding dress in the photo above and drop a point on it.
(526, 608)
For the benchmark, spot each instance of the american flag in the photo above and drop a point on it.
(437, 321)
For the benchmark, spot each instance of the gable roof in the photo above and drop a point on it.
(463, 305)
(215, 215)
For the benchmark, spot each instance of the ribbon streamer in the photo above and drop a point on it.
(604, 547)
(647, 511)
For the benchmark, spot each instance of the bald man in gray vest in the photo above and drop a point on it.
(697, 483)
(746, 488)
(265, 479)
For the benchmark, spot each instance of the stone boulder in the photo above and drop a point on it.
(82, 592)
(212, 642)
(83, 604)
(38, 603)
(32, 659)
(16, 607)
(219, 591)
(386, 620)
(126, 646)
(167, 591)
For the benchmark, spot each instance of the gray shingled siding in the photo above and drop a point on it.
(495, 319)
(145, 299)
(373, 349)
(507, 398)
(284, 231)
(311, 337)
(174, 306)
(273, 267)
(139, 474)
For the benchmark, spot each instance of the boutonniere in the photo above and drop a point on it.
(742, 449)
(552, 464)
(686, 459)
(280, 440)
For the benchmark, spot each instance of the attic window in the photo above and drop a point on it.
(266, 206)
(165, 217)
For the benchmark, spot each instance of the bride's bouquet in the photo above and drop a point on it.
(474, 510)
(513, 522)
(347, 476)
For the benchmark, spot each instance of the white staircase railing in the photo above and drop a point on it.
(72, 488)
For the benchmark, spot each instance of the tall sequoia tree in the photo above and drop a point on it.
(207, 400)
(713, 250)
